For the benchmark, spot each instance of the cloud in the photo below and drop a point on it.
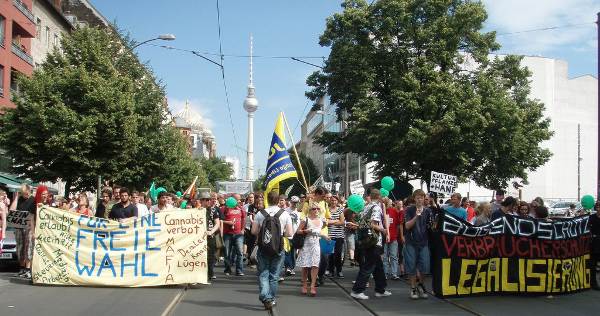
(176, 105)
(509, 16)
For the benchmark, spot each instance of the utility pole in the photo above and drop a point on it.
(578, 162)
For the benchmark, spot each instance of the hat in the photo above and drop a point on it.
(203, 195)
(295, 199)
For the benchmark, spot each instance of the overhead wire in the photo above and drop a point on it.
(549, 28)
(222, 67)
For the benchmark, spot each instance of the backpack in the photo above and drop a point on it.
(269, 240)
(366, 237)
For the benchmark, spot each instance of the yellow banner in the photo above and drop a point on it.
(164, 248)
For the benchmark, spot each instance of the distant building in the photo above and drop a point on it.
(235, 165)
(50, 27)
(201, 140)
(17, 28)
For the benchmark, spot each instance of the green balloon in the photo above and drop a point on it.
(179, 194)
(356, 203)
(231, 202)
(183, 204)
(387, 183)
(384, 192)
(587, 201)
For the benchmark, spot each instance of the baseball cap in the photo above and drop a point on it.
(295, 199)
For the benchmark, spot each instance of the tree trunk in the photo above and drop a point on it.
(68, 187)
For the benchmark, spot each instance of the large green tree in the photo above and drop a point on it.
(415, 81)
(92, 109)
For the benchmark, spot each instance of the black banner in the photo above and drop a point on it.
(511, 255)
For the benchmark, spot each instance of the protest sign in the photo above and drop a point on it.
(240, 187)
(442, 183)
(17, 219)
(511, 255)
(356, 187)
(158, 249)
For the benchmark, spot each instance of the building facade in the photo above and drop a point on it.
(50, 26)
(17, 28)
(201, 140)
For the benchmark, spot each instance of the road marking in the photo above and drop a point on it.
(171, 307)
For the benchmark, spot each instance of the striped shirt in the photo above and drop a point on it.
(336, 231)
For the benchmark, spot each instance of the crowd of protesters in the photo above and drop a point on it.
(329, 229)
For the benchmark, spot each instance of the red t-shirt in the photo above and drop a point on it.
(239, 216)
(470, 214)
(395, 219)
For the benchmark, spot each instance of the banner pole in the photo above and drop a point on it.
(295, 152)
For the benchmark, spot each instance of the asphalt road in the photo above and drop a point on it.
(231, 295)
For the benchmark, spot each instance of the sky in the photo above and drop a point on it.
(292, 28)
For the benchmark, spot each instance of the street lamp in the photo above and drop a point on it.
(163, 37)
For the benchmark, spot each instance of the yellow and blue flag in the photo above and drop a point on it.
(279, 164)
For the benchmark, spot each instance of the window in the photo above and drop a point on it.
(56, 40)
(2, 30)
(14, 87)
(48, 36)
(38, 28)
(1, 81)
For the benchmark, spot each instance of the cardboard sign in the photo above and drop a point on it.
(356, 187)
(442, 183)
(17, 219)
(163, 248)
(511, 255)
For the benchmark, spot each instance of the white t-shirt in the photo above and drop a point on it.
(284, 218)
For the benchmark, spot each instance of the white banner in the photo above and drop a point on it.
(442, 183)
(240, 187)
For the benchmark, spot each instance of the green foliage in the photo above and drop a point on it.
(216, 169)
(421, 94)
(92, 110)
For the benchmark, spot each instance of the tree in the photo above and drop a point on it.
(92, 110)
(414, 82)
(216, 169)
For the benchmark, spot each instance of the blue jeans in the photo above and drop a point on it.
(290, 259)
(234, 246)
(416, 258)
(268, 272)
(390, 258)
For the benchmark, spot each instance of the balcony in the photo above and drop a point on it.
(23, 8)
(22, 54)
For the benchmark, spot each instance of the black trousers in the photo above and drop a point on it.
(370, 263)
(335, 259)
(323, 263)
(211, 255)
(594, 258)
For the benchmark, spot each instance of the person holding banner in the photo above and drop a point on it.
(124, 209)
(595, 251)
(416, 248)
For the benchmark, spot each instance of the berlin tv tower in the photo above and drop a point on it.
(250, 105)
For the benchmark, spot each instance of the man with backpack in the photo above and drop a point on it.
(370, 237)
(270, 226)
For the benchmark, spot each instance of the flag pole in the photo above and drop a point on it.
(295, 152)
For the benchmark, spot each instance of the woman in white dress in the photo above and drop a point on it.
(310, 254)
